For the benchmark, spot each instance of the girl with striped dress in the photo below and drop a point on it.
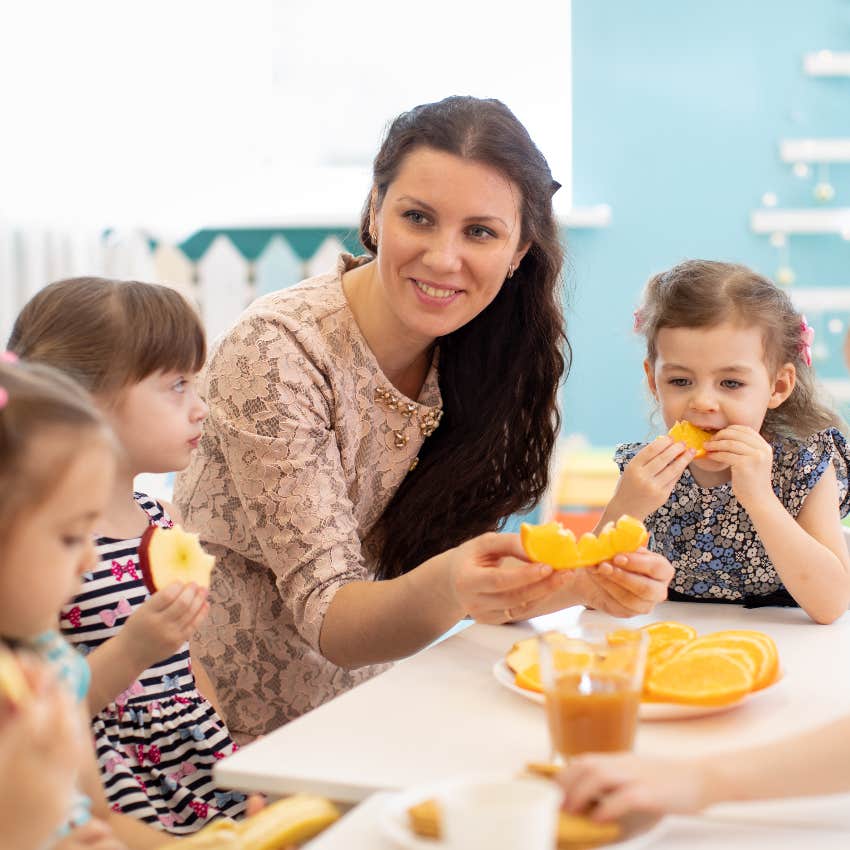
(137, 348)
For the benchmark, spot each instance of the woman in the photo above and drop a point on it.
(368, 427)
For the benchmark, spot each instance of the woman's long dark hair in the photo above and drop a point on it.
(499, 373)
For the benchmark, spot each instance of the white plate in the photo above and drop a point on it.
(648, 710)
(638, 830)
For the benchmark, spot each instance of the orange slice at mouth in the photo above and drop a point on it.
(693, 437)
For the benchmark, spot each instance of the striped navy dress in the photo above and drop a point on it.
(158, 741)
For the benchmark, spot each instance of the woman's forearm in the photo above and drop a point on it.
(379, 621)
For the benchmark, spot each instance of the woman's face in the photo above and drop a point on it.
(447, 231)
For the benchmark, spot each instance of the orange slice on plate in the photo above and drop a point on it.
(660, 633)
(758, 645)
(530, 679)
(703, 677)
(523, 654)
(693, 437)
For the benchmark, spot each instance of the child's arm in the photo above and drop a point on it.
(135, 834)
(153, 633)
(809, 554)
(648, 480)
(816, 762)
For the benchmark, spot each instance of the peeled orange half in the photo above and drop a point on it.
(557, 546)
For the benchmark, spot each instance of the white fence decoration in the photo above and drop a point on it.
(221, 282)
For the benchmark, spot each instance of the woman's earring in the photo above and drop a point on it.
(511, 270)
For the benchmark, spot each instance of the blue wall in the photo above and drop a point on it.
(678, 112)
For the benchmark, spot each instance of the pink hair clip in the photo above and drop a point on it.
(8, 357)
(638, 316)
(807, 337)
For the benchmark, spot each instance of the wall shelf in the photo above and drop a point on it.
(820, 299)
(827, 63)
(584, 217)
(802, 221)
(815, 150)
(837, 388)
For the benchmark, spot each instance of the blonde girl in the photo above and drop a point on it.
(57, 461)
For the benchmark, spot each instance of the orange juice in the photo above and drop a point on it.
(592, 712)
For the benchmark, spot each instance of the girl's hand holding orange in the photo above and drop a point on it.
(648, 481)
(41, 747)
(750, 459)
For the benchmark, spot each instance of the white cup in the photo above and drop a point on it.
(498, 813)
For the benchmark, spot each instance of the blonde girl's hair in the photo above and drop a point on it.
(40, 403)
(109, 334)
(704, 294)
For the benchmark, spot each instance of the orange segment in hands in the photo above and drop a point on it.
(554, 545)
(549, 544)
(630, 534)
(693, 437)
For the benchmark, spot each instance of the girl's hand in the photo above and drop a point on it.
(164, 623)
(41, 748)
(493, 581)
(629, 585)
(750, 459)
(95, 835)
(649, 478)
(609, 786)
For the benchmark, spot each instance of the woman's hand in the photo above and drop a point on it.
(608, 786)
(164, 623)
(630, 584)
(95, 835)
(493, 581)
(750, 459)
(649, 478)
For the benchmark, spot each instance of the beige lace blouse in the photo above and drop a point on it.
(305, 444)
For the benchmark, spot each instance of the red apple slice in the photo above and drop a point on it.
(167, 555)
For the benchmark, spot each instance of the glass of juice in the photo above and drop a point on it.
(592, 679)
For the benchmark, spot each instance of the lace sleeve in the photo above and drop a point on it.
(273, 418)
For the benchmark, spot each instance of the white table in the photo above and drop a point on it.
(360, 830)
(441, 713)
